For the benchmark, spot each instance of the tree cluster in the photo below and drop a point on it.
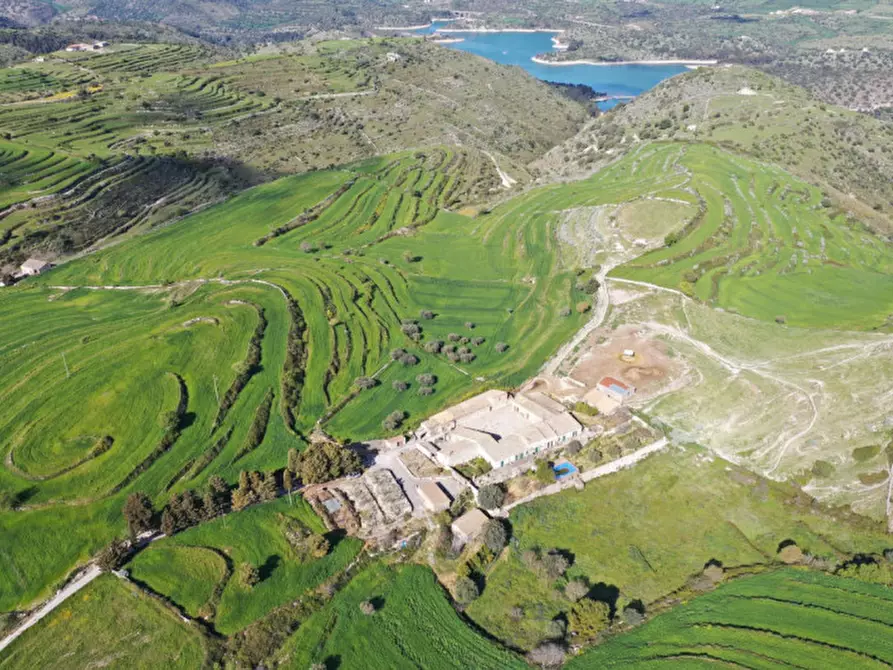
(547, 565)
(304, 543)
(254, 487)
(323, 462)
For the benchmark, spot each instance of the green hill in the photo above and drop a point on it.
(846, 154)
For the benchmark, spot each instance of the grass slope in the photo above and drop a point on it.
(641, 532)
(250, 536)
(107, 624)
(414, 626)
(782, 619)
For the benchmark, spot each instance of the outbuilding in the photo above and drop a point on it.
(434, 497)
(615, 389)
(469, 525)
(33, 266)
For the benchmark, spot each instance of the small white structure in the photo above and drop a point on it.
(393, 57)
(616, 389)
(629, 353)
(469, 525)
(434, 497)
(33, 266)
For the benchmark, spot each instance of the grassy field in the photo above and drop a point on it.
(360, 250)
(107, 624)
(251, 536)
(764, 246)
(640, 533)
(414, 625)
(780, 619)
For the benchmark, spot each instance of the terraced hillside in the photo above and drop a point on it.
(765, 245)
(337, 261)
(178, 127)
(848, 155)
(780, 619)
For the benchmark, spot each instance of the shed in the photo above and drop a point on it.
(615, 388)
(33, 266)
(434, 497)
(469, 525)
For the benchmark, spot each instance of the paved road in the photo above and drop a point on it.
(91, 573)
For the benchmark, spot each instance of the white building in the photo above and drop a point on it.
(33, 266)
(499, 428)
(616, 389)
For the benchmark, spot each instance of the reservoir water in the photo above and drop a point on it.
(517, 48)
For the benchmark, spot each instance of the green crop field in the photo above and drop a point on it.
(789, 618)
(108, 624)
(414, 626)
(250, 536)
(645, 530)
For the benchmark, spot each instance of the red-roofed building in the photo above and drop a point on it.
(616, 389)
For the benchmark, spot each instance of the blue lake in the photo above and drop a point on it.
(517, 48)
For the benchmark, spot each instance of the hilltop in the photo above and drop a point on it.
(761, 116)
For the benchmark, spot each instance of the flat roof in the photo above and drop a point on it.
(471, 523)
(434, 494)
(611, 381)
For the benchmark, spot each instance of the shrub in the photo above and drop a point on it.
(467, 357)
(454, 337)
(544, 473)
(588, 618)
(583, 307)
(478, 341)
(364, 383)
(138, 513)
(469, 325)
(113, 556)
(426, 379)
(576, 590)
(434, 346)
(501, 347)
(491, 496)
(394, 420)
(399, 385)
(465, 590)
(397, 354)
(565, 311)
(495, 535)
(573, 448)
(367, 608)
(427, 314)
(249, 575)
(426, 390)
(548, 655)
(634, 613)
(409, 360)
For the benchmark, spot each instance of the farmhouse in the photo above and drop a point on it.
(33, 266)
(434, 497)
(616, 389)
(499, 428)
(469, 525)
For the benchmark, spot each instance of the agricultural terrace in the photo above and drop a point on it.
(413, 622)
(767, 246)
(780, 619)
(108, 623)
(179, 567)
(641, 533)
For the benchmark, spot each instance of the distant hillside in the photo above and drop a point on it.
(177, 127)
(847, 154)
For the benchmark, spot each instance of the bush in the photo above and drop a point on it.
(477, 341)
(427, 314)
(113, 556)
(249, 575)
(398, 385)
(583, 307)
(426, 390)
(576, 590)
(426, 379)
(409, 360)
(465, 590)
(367, 608)
(434, 346)
(491, 496)
(495, 535)
(588, 618)
(548, 655)
(397, 354)
(469, 325)
(364, 383)
(394, 420)
(501, 347)
(544, 473)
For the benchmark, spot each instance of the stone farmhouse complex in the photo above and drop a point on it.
(498, 427)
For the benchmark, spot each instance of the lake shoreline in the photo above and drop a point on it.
(685, 63)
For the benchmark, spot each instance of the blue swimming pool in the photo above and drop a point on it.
(563, 469)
